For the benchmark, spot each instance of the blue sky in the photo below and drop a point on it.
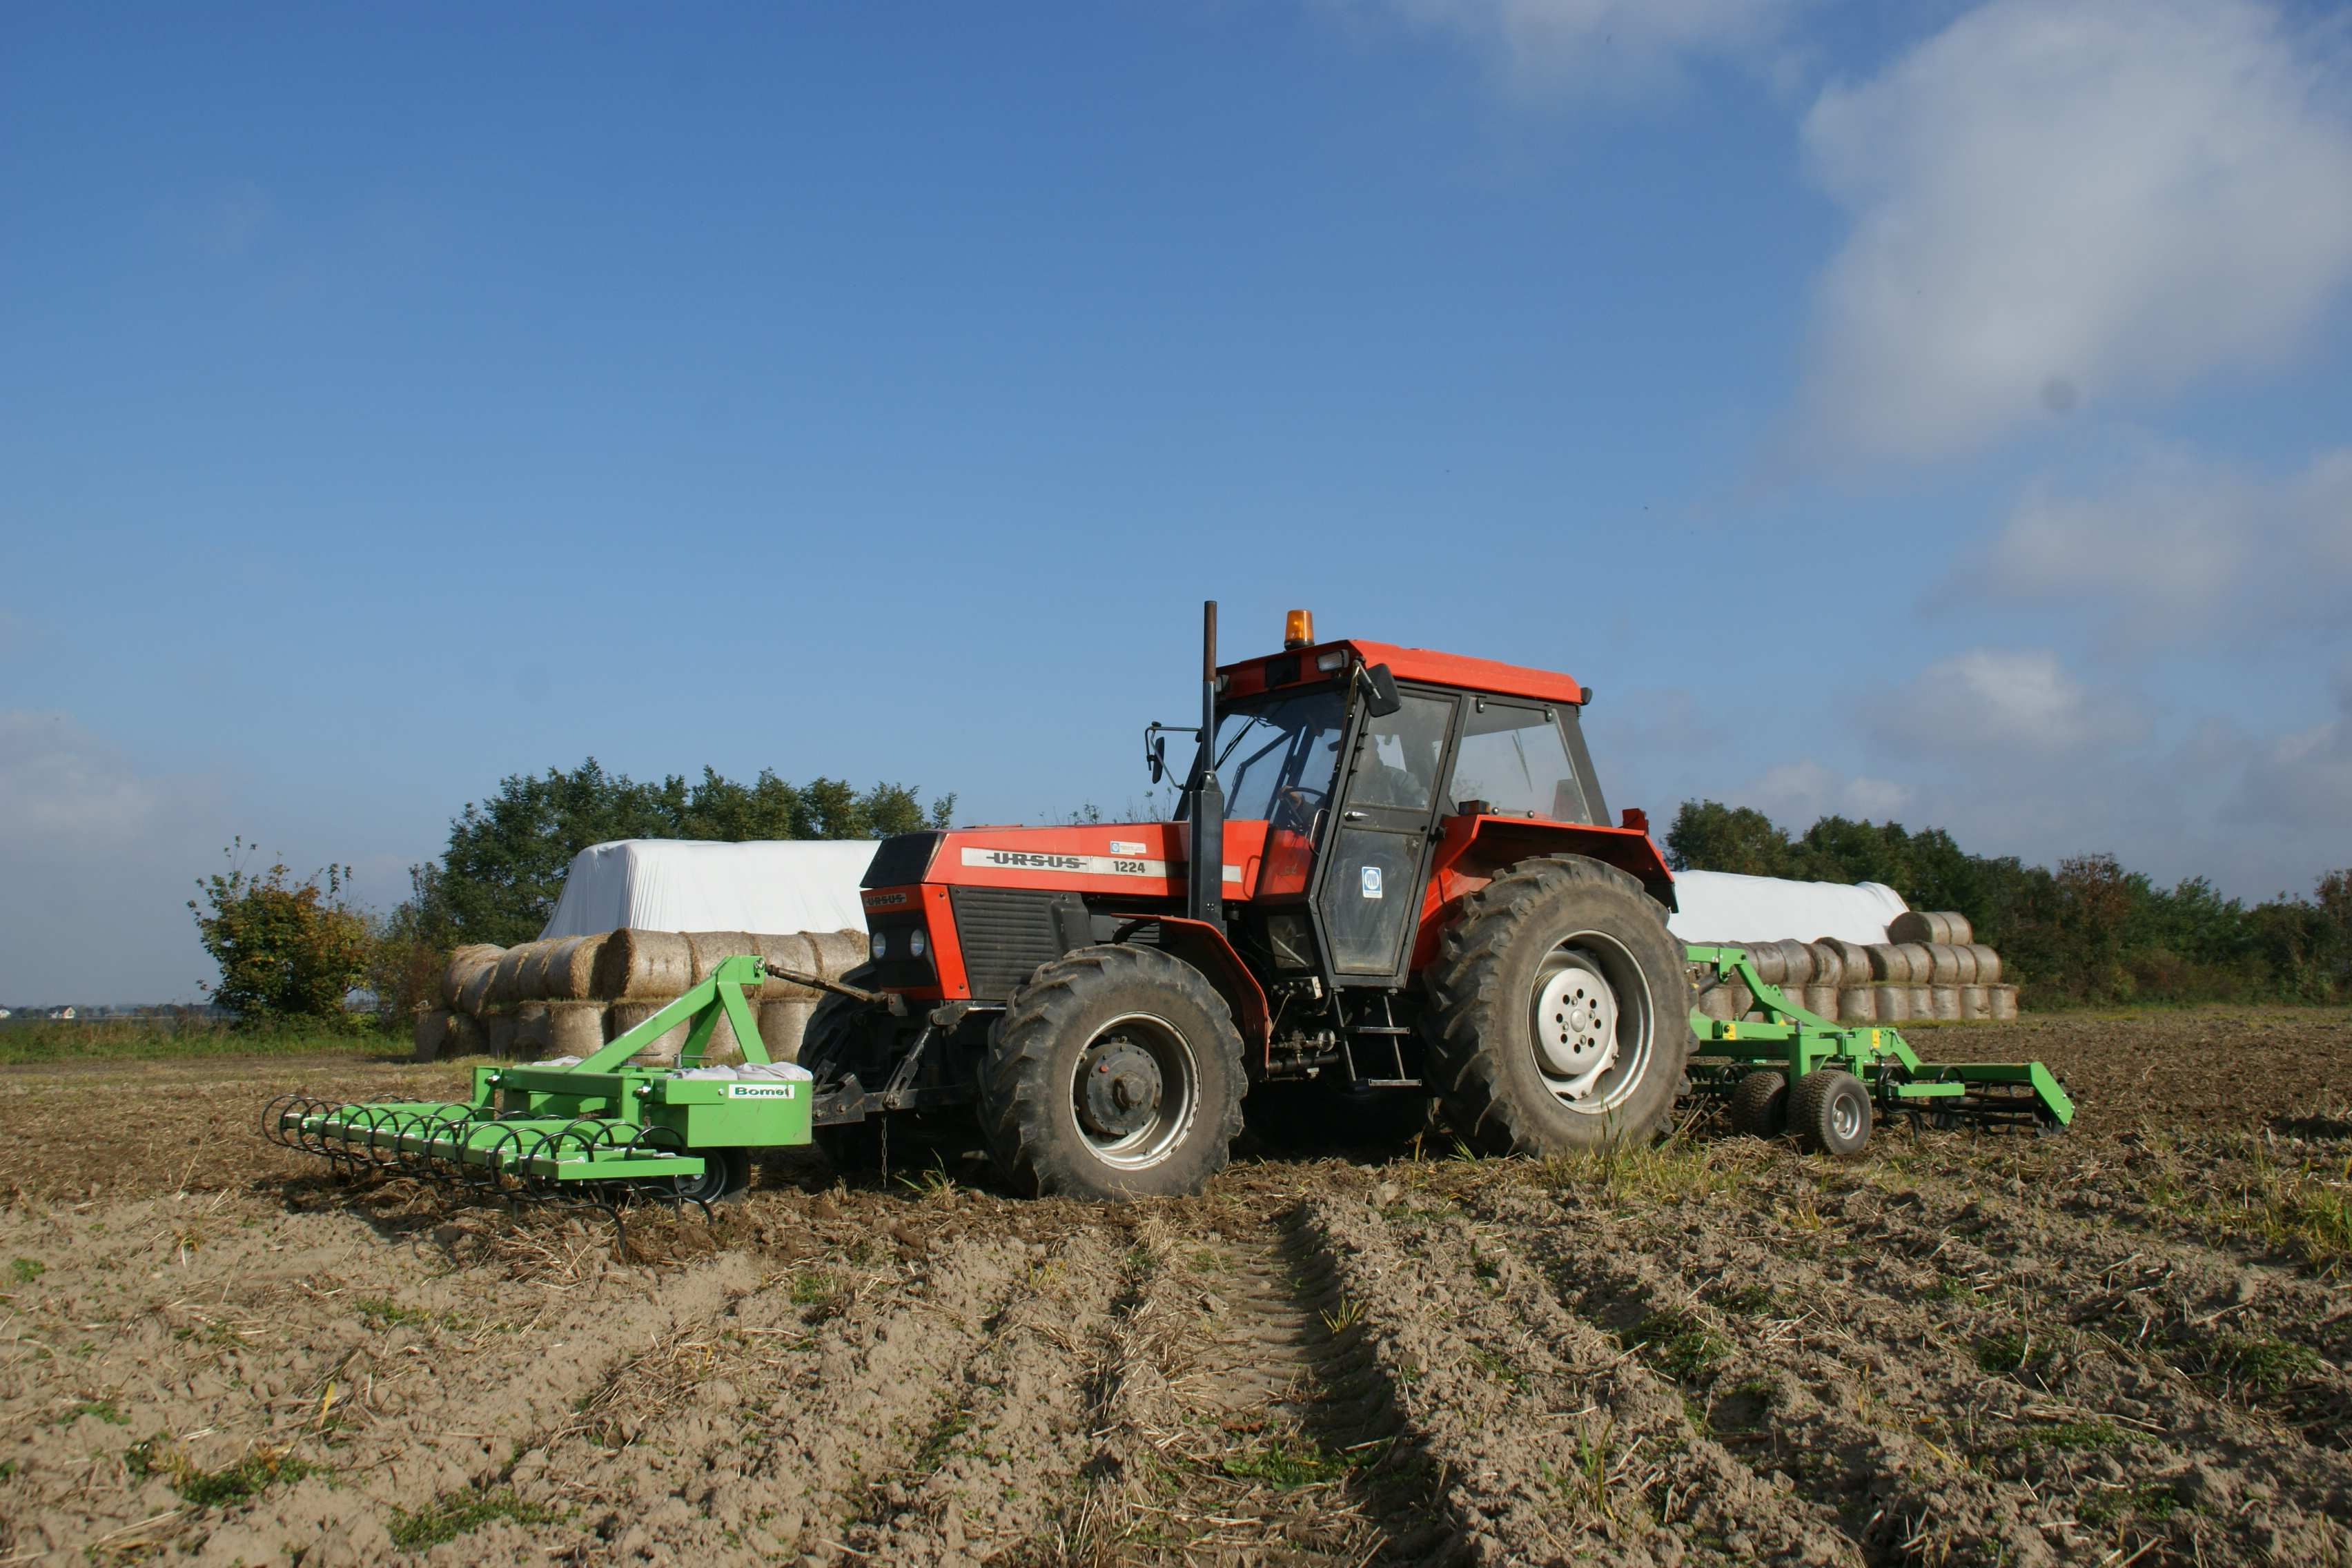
(1940, 410)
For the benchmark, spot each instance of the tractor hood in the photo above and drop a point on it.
(1130, 859)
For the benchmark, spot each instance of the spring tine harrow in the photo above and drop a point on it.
(598, 1133)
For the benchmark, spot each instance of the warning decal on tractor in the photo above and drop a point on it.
(1077, 865)
(1372, 881)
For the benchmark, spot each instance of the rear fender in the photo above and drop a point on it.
(1473, 851)
(1206, 949)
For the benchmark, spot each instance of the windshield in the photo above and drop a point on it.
(1277, 759)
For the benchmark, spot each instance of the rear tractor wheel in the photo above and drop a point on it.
(1115, 1072)
(1831, 1112)
(832, 1047)
(1560, 1015)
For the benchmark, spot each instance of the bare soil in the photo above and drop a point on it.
(2124, 1344)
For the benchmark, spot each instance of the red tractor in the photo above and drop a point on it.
(1390, 877)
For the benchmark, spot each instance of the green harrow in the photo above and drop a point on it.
(1791, 1070)
(596, 1132)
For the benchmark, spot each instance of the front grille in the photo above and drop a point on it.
(1006, 933)
(901, 858)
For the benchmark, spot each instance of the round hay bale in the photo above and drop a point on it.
(574, 1028)
(1888, 964)
(2005, 1003)
(1743, 1000)
(1828, 963)
(506, 980)
(1918, 966)
(1796, 962)
(1771, 964)
(571, 968)
(1987, 964)
(498, 1035)
(1944, 1003)
(837, 952)
(722, 1046)
(466, 1037)
(1943, 927)
(530, 1038)
(1975, 1003)
(1853, 960)
(530, 974)
(474, 996)
(787, 950)
(1822, 1001)
(623, 1016)
(782, 1025)
(637, 965)
(1714, 1003)
(1923, 1004)
(463, 963)
(1944, 964)
(431, 1034)
(1858, 1004)
(712, 948)
(1892, 1004)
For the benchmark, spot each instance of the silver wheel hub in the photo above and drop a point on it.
(1574, 1022)
(1845, 1117)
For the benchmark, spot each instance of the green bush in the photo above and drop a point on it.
(288, 950)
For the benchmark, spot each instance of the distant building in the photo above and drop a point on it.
(5, 1013)
(63, 1012)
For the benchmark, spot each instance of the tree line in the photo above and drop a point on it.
(2091, 932)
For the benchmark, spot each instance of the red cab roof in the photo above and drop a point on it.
(1300, 665)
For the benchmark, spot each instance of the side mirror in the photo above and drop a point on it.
(1155, 753)
(1381, 697)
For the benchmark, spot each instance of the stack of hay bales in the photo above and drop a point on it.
(1929, 967)
(569, 996)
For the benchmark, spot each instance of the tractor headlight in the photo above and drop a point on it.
(878, 944)
(917, 944)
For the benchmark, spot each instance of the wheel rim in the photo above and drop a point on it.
(709, 1187)
(1845, 1117)
(1589, 1023)
(1134, 1090)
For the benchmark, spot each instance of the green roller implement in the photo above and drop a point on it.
(596, 1131)
(1789, 1070)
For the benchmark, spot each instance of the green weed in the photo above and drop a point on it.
(1286, 1460)
(104, 1409)
(261, 1469)
(2066, 1437)
(28, 1269)
(1677, 1344)
(454, 1514)
(2257, 1362)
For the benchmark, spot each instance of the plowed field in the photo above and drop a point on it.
(2125, 1344)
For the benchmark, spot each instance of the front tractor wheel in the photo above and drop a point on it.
(1115, 1072)
(1561, 1011)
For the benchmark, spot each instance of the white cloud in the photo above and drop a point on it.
(1611, 49)
(57, 782)
(2303, 781)
(2058, 201)
(1797, 794)
(2177, 550)
(1997, 704)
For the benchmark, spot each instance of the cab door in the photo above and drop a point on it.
(1369, 886)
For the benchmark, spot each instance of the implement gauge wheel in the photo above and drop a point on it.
(726, 1176)
(1561, 1012)
(1760, 1106)
(1115, 1072)
(1831, 1112)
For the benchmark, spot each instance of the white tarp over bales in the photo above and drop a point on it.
(676, 884)
(1716, 906)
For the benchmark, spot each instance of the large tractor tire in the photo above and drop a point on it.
(1561, 1012)
(829, 1049)
(1115, 1072)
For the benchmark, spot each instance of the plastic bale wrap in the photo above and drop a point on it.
(623, 1016)
(709, 949)
(1822, 1001)
(637, 965)
(464, 964)
(781, 1026)
(433, 1034)
(530, 1032)
(2005, 1002)
(1942, 927)
(1987, 964)
(1975, 1003)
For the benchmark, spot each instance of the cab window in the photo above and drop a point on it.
(1396, 761)
(1515, 759)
